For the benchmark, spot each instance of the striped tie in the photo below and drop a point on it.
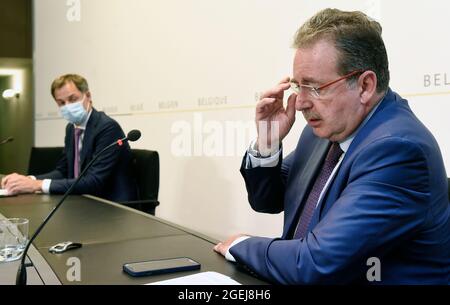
(76, 162)
(330, 163)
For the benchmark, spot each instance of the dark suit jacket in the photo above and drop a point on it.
(388, 200)
(109, 177)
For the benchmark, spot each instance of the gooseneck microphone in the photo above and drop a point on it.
(7, 140)
(133, 135)
(21, 278)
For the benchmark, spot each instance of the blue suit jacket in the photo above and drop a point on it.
(109, 177)
(388, 200)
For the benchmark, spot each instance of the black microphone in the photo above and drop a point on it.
(21, 278)
(134, 135)
(7, 140)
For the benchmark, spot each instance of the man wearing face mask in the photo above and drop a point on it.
(87, 133)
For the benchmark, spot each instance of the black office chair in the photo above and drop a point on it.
(44, 159)
(145, 169)
(448, 189)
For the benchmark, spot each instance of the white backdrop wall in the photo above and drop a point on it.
(187, 73)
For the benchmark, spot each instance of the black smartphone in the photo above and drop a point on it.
(160, 266)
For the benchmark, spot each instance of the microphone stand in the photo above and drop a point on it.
(21, 277)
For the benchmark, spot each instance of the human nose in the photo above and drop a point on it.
(303, 101)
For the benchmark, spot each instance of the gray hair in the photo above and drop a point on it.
(356, 37)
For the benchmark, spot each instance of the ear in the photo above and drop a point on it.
(367, 85)
(88, 95)
(88, 105)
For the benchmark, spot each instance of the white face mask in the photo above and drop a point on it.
(74, 112)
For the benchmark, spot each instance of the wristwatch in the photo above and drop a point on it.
(253, 150)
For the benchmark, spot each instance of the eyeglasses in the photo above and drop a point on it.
(314, 92)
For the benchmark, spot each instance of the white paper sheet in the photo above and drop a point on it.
(202, 278)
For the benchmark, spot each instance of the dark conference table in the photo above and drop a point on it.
(111, 235)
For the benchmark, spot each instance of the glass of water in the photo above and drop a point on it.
(13, 238)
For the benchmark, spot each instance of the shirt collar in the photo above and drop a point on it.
(348, 141)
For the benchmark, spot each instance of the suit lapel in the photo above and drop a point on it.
(70, 150)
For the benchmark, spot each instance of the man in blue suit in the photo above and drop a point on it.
(364, 194)
(87, 133)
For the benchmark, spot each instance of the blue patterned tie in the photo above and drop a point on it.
(76, 161)
(329, 164)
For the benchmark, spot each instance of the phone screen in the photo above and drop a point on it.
(161, 266)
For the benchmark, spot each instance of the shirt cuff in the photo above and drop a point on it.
(228, 255)
(46, 186)
(253, 161)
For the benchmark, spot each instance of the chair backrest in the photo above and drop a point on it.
(145, 169)
(449, 189)
(44, 159)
